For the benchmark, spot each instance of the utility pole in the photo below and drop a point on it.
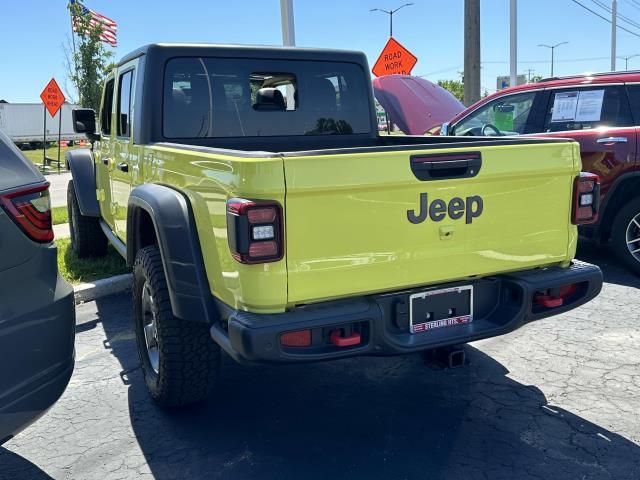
(390, 13)
(288, 29)
(552, 47)
(626, 60)
(529, 72)
(614, 27)
(471, 51)
(513, 30)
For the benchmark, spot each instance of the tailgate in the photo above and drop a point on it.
(356, 222)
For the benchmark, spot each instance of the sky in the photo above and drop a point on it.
(34, 33)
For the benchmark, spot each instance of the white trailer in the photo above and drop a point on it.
(24, 123)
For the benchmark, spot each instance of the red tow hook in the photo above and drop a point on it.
(548, 301)
(338, 340)
(553, 301)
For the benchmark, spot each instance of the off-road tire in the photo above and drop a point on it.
(619, 235)
(188, 359)
(87, 238)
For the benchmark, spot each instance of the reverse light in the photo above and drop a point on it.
(254, 230)
(30, 209)
(586, 193)
(265, 232)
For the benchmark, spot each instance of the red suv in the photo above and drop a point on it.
(599, 111)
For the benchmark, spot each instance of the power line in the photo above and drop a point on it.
(605, 19)
(565, 60)
(620, 16)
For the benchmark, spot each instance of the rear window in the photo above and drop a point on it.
(216, 97)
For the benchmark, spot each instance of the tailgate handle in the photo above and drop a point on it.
(447, 166)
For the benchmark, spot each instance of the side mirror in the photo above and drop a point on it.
(445, 129)
(84, 121)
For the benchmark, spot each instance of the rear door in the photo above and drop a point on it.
(377, 219)
(633, 91)
(599, 118)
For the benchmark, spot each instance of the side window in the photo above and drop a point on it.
(124, 103)
(586, 108)
(107, 108)
(503, 116)
(634, 99)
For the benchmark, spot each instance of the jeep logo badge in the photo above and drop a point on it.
(469, 208)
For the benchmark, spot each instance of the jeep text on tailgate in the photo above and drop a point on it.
(263, 215)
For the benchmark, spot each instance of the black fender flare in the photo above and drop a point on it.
(80, 162)
(177, 238)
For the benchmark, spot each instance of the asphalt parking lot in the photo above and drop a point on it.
(557, 399)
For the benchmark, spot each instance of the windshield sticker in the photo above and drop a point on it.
(564, 106)
(590, 106)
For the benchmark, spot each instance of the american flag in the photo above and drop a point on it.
(108, 27)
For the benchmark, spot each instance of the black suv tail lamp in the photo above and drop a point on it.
(254, 230)
(586, 199)
(30, 209)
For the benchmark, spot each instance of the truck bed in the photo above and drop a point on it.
(332, 144)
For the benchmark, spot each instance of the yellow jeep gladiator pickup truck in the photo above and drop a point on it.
(263, 215)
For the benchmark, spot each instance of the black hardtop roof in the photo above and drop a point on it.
(245, 51)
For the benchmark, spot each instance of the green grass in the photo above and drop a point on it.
(79, 270)
(52, 152)
(59, 215)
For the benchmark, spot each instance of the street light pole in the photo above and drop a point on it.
(552, 47)
(288, 28)
(513, 34)
(626, 60)
(390, 13)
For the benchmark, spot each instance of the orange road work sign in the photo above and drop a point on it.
(52, 97)
(394, 59)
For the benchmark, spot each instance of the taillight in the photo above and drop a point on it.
(30, 209)
(254, 230)
(586, 198)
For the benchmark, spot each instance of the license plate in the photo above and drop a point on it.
(442, 308)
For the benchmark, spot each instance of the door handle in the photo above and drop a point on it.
(123, 167)
(105, 161)
(612, 140)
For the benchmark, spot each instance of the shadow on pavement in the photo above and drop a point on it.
(13, 467)
(612, 268)
(373, 418)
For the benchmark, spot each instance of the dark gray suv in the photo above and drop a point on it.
(37, 312)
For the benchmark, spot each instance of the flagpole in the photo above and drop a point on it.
(73, 42)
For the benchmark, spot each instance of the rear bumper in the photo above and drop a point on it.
(501, 304)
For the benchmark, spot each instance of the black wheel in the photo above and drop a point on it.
(179, 359)
(625, 237)
(87, 238)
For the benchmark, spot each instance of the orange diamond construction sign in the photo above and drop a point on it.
(52, 97)
(394, 59)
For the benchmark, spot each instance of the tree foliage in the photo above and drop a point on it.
(456, 87)
(90, 59)
(535, 78)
